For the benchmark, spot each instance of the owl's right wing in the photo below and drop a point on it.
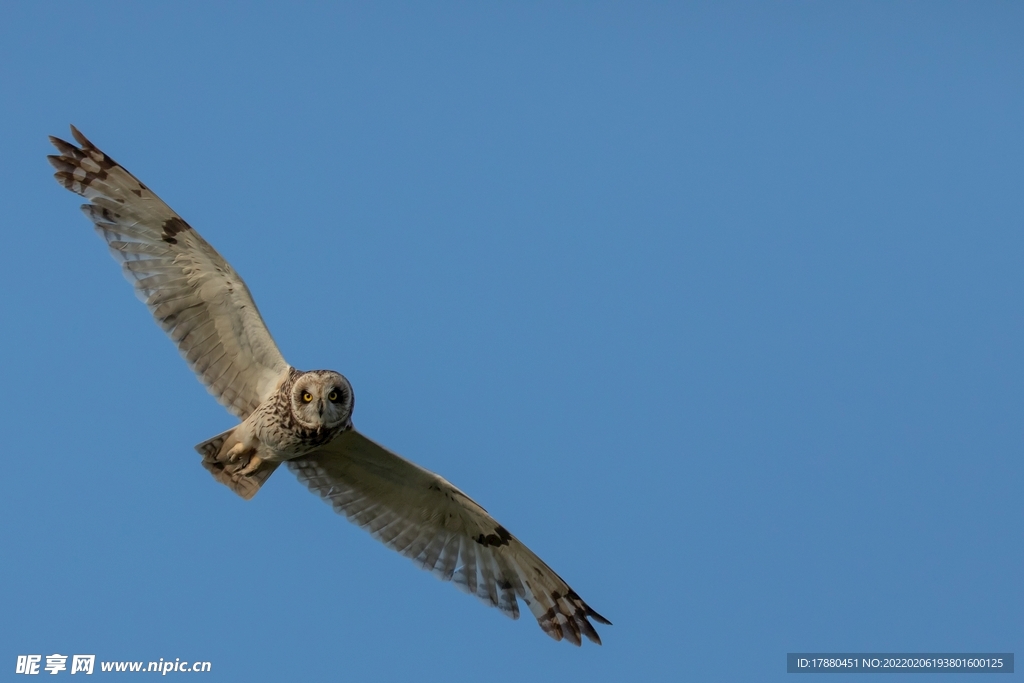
(194, 294)
(441, 529)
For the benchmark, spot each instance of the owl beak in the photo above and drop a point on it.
(320, 407)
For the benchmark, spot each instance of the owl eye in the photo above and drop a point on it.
(307, 397)
(333, 396)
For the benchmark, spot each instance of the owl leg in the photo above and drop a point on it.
(237, 451)
(241, 449)
(254, 464)
(223, 462)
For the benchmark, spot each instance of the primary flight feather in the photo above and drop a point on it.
(300, 418)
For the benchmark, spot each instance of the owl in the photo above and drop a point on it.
(302, 419)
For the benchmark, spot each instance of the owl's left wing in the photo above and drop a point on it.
(194, 294)
(427, 519)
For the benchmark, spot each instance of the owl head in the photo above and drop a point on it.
(322, 399)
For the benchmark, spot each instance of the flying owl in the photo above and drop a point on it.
(303, 419)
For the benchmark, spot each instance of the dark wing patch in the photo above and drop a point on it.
(171, 227)
(499, 537)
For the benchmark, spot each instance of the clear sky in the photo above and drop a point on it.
(717, 307)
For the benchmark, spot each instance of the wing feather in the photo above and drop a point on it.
(194, 294)
(424, 517)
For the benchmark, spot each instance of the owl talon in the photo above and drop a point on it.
(236, 452)
(253, 465)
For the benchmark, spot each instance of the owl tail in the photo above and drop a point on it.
(215, 460)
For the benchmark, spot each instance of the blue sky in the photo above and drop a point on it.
(717, 307)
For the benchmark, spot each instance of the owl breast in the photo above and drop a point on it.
(287, 440)
(280, 436)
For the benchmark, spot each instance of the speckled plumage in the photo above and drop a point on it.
(302, 418)
(279, 428)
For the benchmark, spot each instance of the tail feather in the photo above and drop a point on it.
(215, 460)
